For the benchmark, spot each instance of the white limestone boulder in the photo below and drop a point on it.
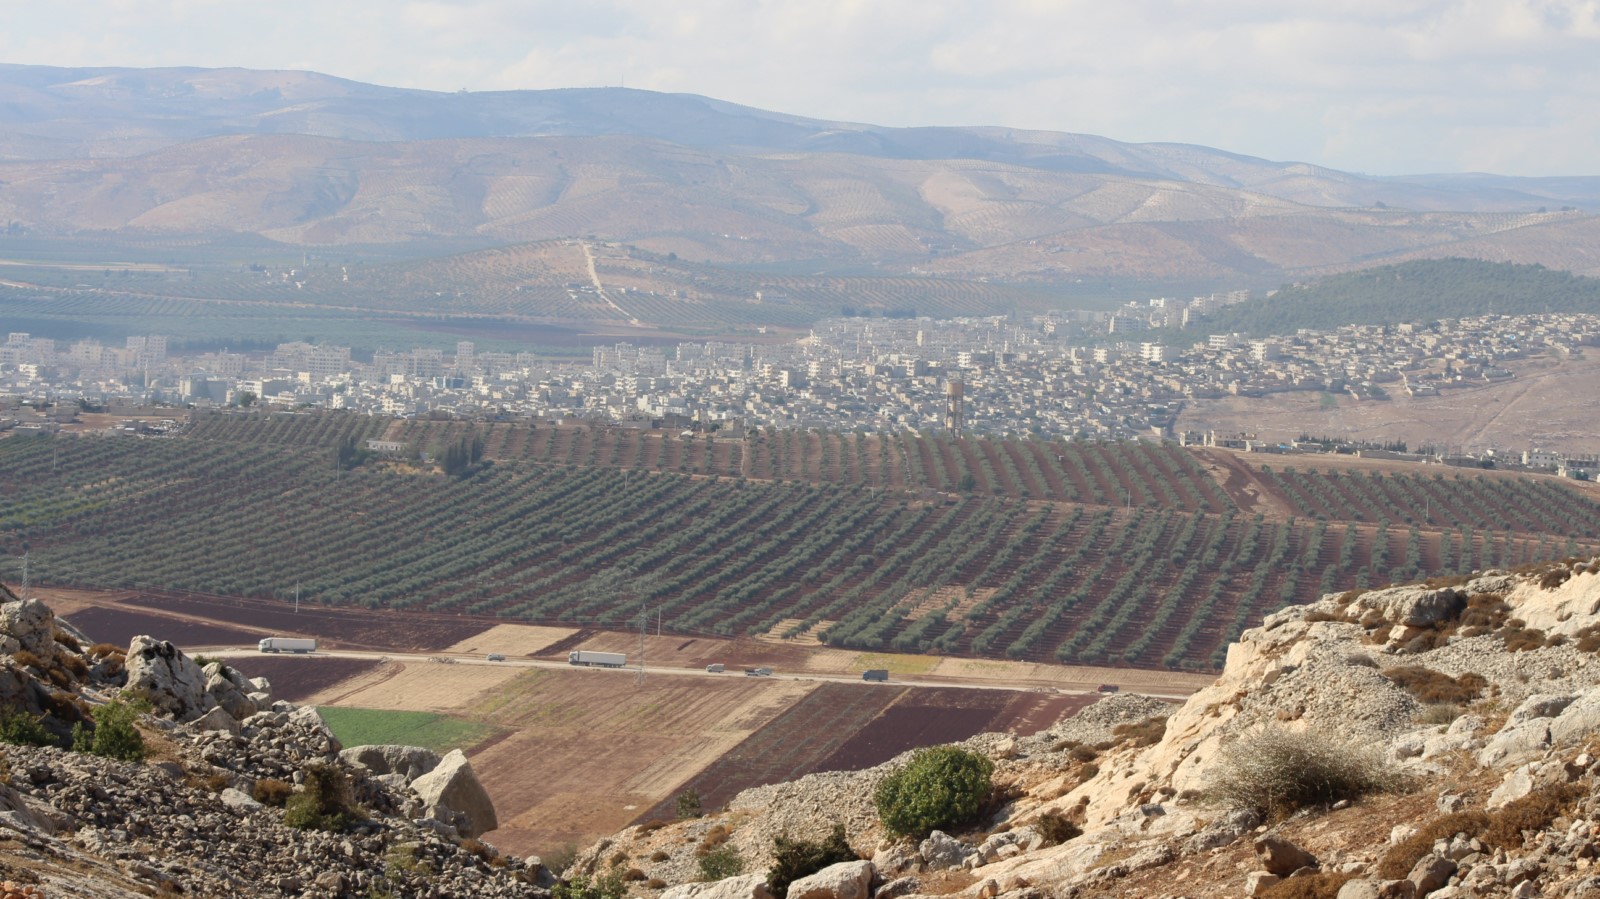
(32, 625)
(846, 880)
(745, 886)
(452, 793)
(169, 680)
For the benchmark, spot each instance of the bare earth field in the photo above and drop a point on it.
(592, 749)
(1550, 404)
(298, 678)
(582, 752)
(414, 687)
(512, 639)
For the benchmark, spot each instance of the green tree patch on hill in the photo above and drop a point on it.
(1412, 291)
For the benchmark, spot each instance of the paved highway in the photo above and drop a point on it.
(235, 652)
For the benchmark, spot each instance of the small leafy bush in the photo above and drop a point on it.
(113, 735)
(324, 801)
(793, 859)
(721, 863)
(689, 804)
(609, 885)
(1056, 828)
(560, 860)
(939, 788)
(22, 729)
(1277, 773)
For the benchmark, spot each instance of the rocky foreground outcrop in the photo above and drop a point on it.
(208, 812)
(1472, 708)
(1474, 703)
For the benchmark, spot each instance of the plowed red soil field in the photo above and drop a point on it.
(347, 628)
(846, 727)
(109, 624)
(295, 678)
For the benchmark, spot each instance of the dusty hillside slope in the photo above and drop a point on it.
(1470, 712)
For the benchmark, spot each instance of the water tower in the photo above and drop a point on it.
(955, 412)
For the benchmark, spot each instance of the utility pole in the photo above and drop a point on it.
(644, 623)
(297, 597)
(24, 572)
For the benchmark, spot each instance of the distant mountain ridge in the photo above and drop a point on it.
(46, 113)
(109, 157)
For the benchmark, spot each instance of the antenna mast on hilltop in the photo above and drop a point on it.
(644, 625)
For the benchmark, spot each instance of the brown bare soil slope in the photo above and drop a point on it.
(1551, 404)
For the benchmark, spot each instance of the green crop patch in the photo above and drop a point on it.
(366, 727)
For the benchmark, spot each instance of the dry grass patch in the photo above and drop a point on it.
(1321, 885)
(1435, 687)
(1501, 829)
(1145, 733)
(1277, 773)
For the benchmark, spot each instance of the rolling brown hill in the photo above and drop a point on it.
(697, 203)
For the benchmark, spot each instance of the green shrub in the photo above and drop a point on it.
(324, 801)
(941, 787)
(561, 859)
(793, 859)
(22, 729)
(689, 804)
(1277, 773)
(721, 863)
(609, 885)
(114, 735)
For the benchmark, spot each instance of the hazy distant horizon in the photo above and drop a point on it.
(1380, 89)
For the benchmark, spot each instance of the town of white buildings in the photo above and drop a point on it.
(1017, 376)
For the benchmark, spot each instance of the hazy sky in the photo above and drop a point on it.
(1376, 86)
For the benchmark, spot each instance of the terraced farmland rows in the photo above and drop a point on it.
(586, 526)
(1526, 505)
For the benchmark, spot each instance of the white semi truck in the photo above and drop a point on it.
(287, 644)
(602, 659)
